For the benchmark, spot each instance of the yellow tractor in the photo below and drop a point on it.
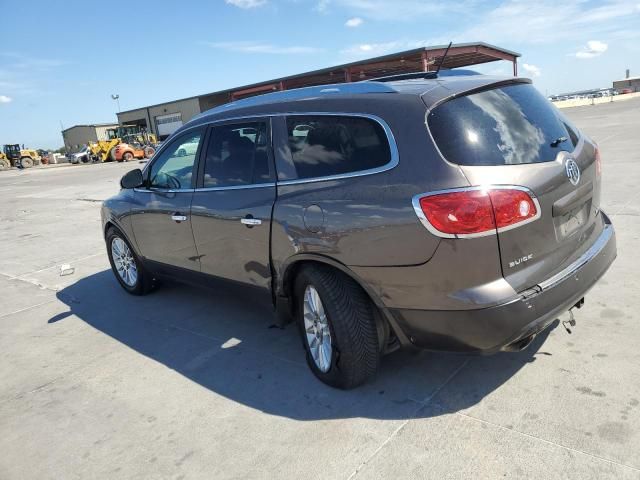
(106, 151)
(101, 150)
(14, 156)
(5, 163)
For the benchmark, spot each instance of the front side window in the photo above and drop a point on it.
(509, 125)
(173, 169)
(326, 145)
(237, 154)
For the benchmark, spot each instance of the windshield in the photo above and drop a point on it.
(504, 126)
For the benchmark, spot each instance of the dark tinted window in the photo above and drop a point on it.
(331, 145)
(502, 126)
(573, 133)
(237, 155)
(173, 169)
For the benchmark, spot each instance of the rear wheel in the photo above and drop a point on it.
(126, 266)
(337, 325)
(26, 162)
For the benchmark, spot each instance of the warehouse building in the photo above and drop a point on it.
(629, 83)
(165, 118)
(76, 137)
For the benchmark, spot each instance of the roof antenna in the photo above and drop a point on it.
(442, 59)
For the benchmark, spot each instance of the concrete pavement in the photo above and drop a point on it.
(187, 383)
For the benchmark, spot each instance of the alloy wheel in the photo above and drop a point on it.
(124, 262)
(317, 332)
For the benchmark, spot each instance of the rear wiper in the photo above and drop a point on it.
(558, 141)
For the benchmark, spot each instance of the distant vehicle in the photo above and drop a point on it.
(187, 149)
(83, 156)
(624, 91)
(17, 157)
(128, 151)
(456, 214)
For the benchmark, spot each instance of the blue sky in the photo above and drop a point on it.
(76, 54)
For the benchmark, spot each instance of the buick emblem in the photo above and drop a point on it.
(573, 171)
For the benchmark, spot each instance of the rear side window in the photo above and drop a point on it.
(503, 126)
(237, 154)
(323, 146)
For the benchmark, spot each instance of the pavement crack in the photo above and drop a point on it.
(421, 406)
(549, 442)
(29, 281)
(26, 308)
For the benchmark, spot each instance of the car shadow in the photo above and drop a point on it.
(227, 343)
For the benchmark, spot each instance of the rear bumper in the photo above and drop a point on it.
(489, 330)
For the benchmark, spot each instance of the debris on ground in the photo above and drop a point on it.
(66, 269)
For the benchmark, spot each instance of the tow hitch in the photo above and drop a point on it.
(572, 320)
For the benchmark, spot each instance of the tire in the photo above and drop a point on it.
(149, 152)
(85, 159)
(143, 283)
(4, 164)
(26, 162)
(354, 347)
(127, 157)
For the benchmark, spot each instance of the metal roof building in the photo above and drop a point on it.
(76, 137)
(629, 83)
(164, 118)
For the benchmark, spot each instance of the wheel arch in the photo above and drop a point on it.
(293, 265)
(285, 302)
(112, 223)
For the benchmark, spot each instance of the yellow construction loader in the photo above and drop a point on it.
(105, 150)
(14, 156)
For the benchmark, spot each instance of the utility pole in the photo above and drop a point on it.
(116, 97)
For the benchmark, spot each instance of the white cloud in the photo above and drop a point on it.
(5, 99)
(547, 21)
(322, 6)
(402, 10)
(246, 4)
(375, 49)
(593, 48)
(255, 47)
(370, 49)
(532, 70)
(353, 22)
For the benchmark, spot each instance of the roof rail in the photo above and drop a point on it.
(425, 75)
(404, 76)
(301, 94)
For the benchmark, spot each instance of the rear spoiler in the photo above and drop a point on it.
(434, 97)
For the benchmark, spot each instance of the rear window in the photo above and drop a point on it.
(504, 126)
(323, 145)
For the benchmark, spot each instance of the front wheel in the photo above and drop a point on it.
(127, 157)
(336, 321)
(5, 164)
(126, 266)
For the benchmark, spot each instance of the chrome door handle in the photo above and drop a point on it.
(176, 217)
(251, 222)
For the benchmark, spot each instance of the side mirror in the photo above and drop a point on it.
(132, 179)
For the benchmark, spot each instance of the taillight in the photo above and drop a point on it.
(512, 207)
(476, 211)
(598, 162)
